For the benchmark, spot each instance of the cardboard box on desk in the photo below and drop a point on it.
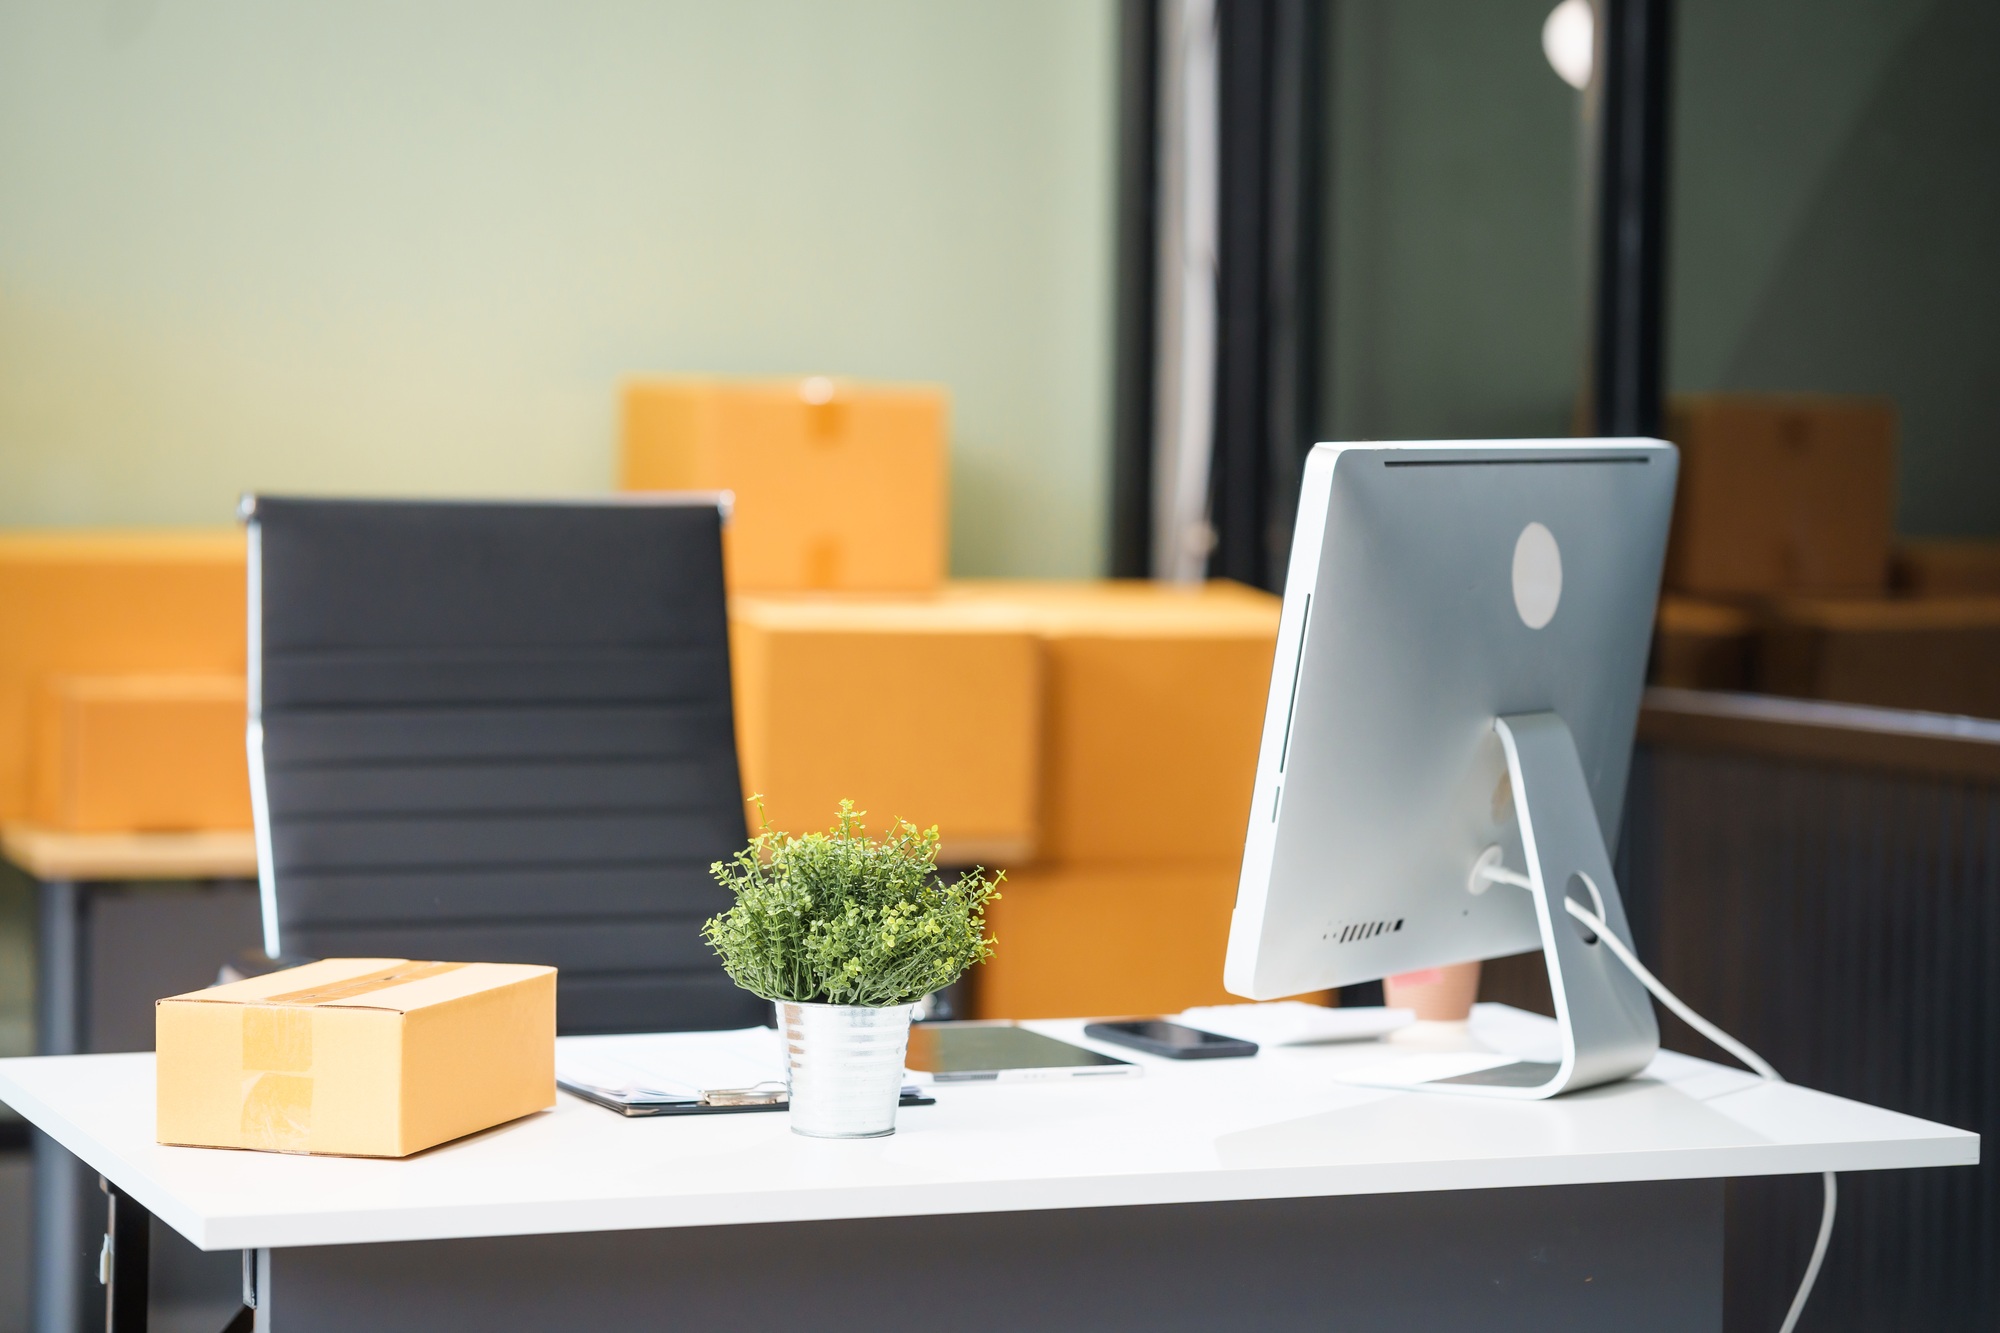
(838, 485)
(359, 1057)
(920, 709)
(118, 754)
(1782, 494)
(103, 604)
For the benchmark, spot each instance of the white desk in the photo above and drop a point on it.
(636, 1197)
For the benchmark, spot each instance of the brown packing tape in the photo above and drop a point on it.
(278, 1055)
(374, 981)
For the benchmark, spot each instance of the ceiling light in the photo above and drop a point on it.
(1569, 40)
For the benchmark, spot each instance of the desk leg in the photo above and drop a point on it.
(59, 966)
(66, 1296)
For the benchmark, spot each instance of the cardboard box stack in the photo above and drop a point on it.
(1783, 575)
(1098, 740)
(121, 681)
(1095, 739)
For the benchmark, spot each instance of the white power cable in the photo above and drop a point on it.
(1594, 923)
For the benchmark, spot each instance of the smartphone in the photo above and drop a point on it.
(1156, 1036)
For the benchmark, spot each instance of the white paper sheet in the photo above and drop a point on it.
(674, 1066)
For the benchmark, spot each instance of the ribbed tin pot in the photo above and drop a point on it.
(844, 1067)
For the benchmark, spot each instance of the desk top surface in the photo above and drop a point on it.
(1277, 1126)
(50, 854)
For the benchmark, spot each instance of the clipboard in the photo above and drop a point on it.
(684, 1073)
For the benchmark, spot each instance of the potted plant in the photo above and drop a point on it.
(844, 934)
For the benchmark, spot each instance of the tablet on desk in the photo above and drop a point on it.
(989, 1052)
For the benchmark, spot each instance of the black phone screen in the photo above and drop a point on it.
(1172, 1034)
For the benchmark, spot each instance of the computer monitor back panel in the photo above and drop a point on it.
(1380, 778)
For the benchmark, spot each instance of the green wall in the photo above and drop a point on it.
(412, 247)
(1836, 223)
(1456, 301)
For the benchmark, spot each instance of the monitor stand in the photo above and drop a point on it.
(1604, 1015)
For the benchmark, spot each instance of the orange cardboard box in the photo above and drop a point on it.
(360, 1057)
(837, 485)
(1154, 710)
(94, 604)
(1107, 940)
(920, 710)
(1082, 722)
(141, 754)
(1782, 494)
(1936, 654)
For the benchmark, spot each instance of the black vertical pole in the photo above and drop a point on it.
(1292, 273)
(1631, 222)
(1236, 474)
(1137, 261)
(1271, 56)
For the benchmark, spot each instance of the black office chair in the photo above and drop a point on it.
(499, 732)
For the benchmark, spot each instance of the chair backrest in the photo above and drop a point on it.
(499, 732)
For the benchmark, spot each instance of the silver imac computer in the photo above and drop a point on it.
(1452, 706)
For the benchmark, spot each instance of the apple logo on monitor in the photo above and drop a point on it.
(1538, 575)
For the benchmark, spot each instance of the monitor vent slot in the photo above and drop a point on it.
(1354, 932)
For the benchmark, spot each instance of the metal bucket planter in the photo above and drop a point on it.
(844, 1067)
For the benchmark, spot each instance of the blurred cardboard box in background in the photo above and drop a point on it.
(922, 710)
(1108, 940)
(143, 754)
(1088, 721)
(1931, 568)
(1155, 710)
(102, 604)
(1939, 655)
(1782, 494)
(837, 485)
(1703, 645)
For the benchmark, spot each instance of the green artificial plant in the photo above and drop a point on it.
(842, 918)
